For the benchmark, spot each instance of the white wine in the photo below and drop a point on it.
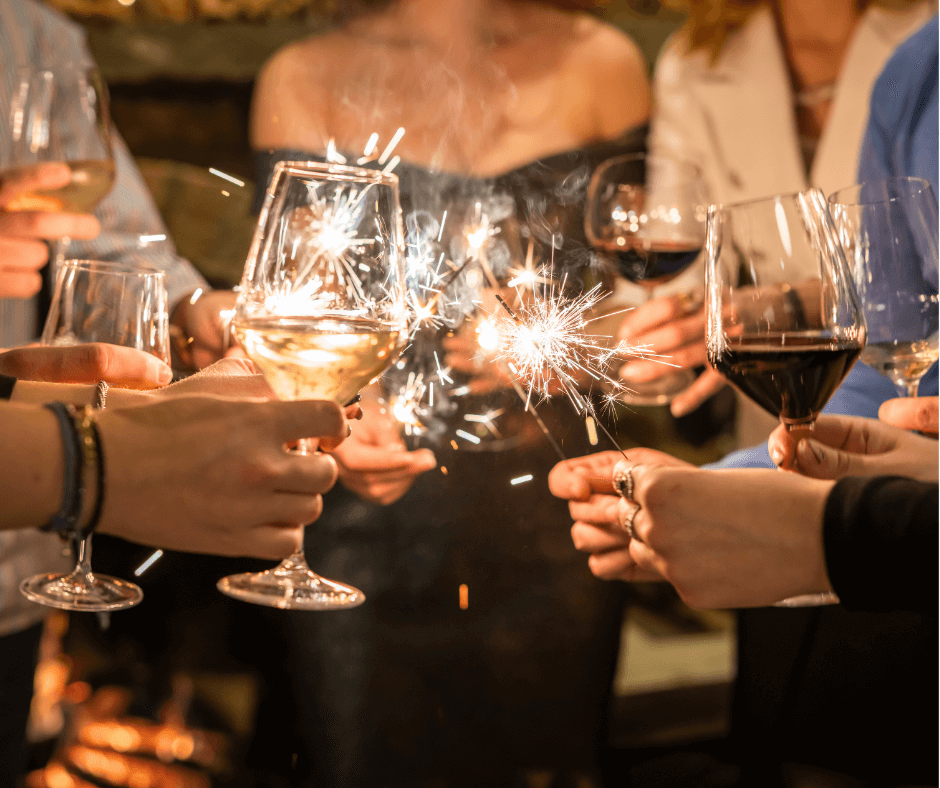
(91, 181)
(319, 358)
(902, 362)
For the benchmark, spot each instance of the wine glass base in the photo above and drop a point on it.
(657, 392)
(294, 589)
(809, 600)
(89, 594)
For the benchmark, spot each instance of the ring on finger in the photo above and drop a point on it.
(623, 480)
(625, 516)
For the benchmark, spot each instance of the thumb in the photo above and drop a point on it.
(819, 461)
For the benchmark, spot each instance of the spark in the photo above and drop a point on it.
(522, 479)
(442, 375)
(487, 420)
(405, 405)
(440, 232)
(226, 176)
(396, 138)
(467, 436)
(370, 145)
(147, 239)
(332, 155)
(148, 563)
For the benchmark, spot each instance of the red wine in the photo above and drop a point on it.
(791, 377)
(650, 263)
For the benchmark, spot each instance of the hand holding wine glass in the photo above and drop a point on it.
(321, 311)
(647, 215)
(888, 230)
(57, 116)
(119, 305)
(784, 321)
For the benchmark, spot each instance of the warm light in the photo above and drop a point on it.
(464, 594)
(487, 335)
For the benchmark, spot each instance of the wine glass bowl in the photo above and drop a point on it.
(784, 321)
(120, 305)
(888, 230)
(61, 116)
(645, 215)
(321, 311)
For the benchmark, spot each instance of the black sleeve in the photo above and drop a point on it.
(880, 537)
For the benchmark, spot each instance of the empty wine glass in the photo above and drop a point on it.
(646, 214)
(888, 230)
(321, 311)
(60, 115)
(784, 321)
(120, 305)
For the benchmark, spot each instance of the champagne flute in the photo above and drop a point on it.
(784, 320)
(61, 116)
(888, 231)
(646, 213)
(321, 311)
(120, 305)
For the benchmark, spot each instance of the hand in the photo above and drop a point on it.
(204, 322)
(673, 327)
(27, 220)
(852, 446)
(120, 366)
(587, 483)
(730, 538)
(911, 413)
(373, 461)
(209, 475)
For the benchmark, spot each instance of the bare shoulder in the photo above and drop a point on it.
(289, 86)
(618, 72)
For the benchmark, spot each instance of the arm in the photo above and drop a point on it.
(236, 491)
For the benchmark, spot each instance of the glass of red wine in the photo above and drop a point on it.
(646, 215)
(785, 323)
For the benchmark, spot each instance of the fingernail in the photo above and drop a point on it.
(165, 376)
(777, 456)
(679, 409)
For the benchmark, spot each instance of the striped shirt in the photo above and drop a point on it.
(31, 34)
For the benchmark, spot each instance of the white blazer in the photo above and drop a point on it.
(736, 118)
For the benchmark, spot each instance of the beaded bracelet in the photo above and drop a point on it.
(66, 519)
(89, 443)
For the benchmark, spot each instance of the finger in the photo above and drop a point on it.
(19, 284)
(706, 385)
(619, 565)
(675, 334)
(306, 419)
(19, 254)
(38, 177)
(306, 474)
(912, 413)
(645, 370)
(383, 494)
(823, 462)
(568, 481)
(89, 363)
(647, 560)
(43, 224)
(275, 541)
(590, 538)
(597, 510)
(368, 459)
(647, 316)
(353, 412)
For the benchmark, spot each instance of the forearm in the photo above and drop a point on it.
(31, 480)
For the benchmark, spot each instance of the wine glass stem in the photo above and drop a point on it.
(82, 550)
(912, 388)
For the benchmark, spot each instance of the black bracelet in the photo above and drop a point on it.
(66, 519)
(7, 383)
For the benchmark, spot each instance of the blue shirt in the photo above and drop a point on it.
(901, 139)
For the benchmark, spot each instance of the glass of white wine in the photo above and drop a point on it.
(61, 115)
(117, 304)
(321, 311)
(888, 230)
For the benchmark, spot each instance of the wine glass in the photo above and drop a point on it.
(321, 311)
(888, 231)
(784, 320)
(647, 213)
(117, 304)
(62, 116)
